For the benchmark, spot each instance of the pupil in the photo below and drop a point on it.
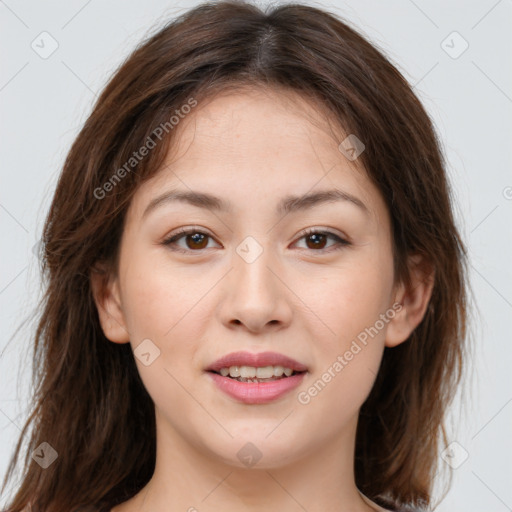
(197, 239)
(317, 242)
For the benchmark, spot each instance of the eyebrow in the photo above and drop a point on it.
(288, 204)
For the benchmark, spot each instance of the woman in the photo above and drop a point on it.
(256, 292)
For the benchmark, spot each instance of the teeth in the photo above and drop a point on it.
(278, 371)
(265, 372)
(251, 372)
(234, 371)
(247, 372)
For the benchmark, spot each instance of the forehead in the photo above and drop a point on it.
(256, 123)
(257, 143)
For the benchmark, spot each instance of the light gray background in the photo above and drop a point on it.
(44, 102)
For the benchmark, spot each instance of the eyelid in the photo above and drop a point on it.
(325, 231)
(181, 233)
(342, 240)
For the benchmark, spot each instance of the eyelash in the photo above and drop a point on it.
(311, 231)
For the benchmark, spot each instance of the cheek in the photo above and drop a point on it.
(159, 302)
(351, 298)
(352, 303)
(163, 307)
(167, 307)
(349, 352)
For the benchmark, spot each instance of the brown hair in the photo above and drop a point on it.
(89, 403)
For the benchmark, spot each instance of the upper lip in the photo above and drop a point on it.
(256, 360)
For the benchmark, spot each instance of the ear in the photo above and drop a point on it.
(414, 300)
(105, 289)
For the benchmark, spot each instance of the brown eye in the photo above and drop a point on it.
(318, 241)
(195, 241)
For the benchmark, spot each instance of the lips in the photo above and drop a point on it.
(256, 360)
(256, 393)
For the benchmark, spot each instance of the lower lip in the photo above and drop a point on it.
(256, 392)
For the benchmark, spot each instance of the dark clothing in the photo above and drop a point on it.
(395, 508)
(387, 506)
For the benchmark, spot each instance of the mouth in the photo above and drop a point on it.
(257, 374)
(256, 390)
(262, 365)
(256, 378)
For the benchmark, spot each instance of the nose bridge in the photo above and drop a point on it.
(254, 280)
(255, 296)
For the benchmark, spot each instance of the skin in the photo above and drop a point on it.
(252, 148)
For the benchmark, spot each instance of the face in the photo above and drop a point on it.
(309, 279)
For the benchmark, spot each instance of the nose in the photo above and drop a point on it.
(255, 294)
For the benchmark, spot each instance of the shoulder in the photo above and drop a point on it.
(387, 506)
(376, 506)
(404, 509)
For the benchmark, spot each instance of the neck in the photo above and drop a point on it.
(190, 478)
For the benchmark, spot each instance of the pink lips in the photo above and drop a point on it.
(256, 392)
(261, 359)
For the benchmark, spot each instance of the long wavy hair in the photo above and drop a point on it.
(89, 403)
